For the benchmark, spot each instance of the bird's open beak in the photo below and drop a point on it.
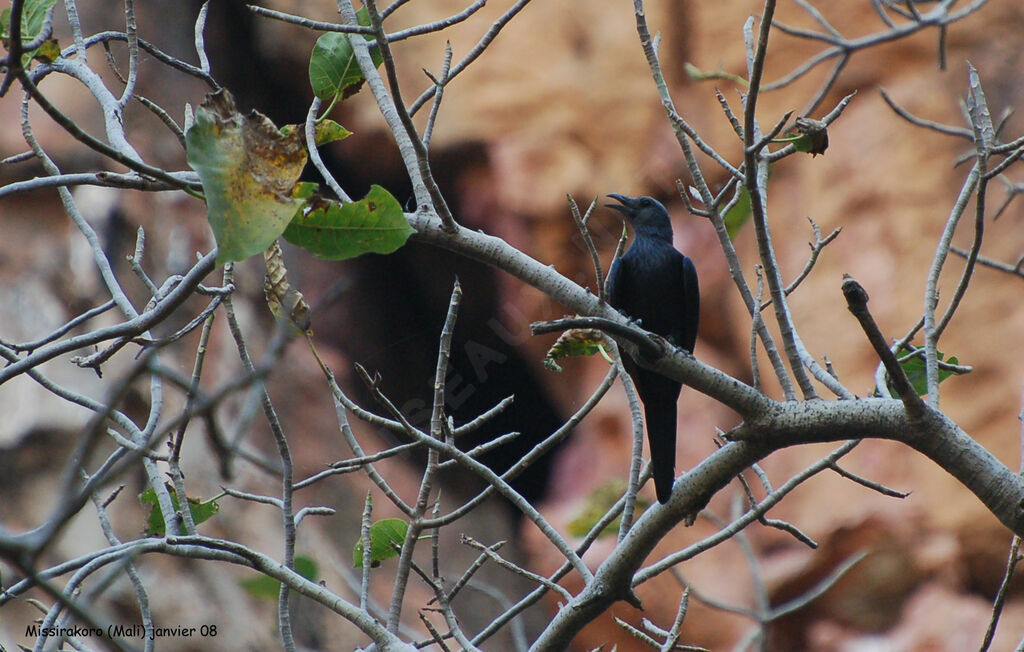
(624, 205)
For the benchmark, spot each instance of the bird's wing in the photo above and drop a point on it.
(689, 305)
(617, 284)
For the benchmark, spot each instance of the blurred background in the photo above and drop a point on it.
(562, 102)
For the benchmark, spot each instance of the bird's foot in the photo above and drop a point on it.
(662, 347)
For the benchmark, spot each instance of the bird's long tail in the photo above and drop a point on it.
(661, 434)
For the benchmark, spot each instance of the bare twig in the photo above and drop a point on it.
(857, 302)
(518, 570)
(581, 224)
(393, 108)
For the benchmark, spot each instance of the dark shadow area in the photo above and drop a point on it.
(390, 315)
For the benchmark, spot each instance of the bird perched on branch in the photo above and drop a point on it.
(656, 285)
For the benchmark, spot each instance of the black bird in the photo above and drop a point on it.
(656, 285)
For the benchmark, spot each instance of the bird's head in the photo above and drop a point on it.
(646, 214)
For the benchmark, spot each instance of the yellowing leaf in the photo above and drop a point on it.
(574, 343)
(325, 131)
(283, 300)
(248, 169)
(696, 74)
(597, 504)
(328, 131)
(33, 15)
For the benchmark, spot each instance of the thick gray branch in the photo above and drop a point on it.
(789, 424)
(769, 426)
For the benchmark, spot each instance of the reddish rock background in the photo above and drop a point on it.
(561, 103)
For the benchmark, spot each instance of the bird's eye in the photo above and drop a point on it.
(645, 202)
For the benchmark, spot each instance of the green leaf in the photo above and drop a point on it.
(265, 587)
(325, 131)
(248, 169)
(808, 136)
(696, 74)
(803, 144)
(574, 343)
(597, 504)
(201, 511)
(738, 215)
(917, 372)
(33, 15)
(333, 68)
(384, 536)
(335, 231)
(741, 212)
